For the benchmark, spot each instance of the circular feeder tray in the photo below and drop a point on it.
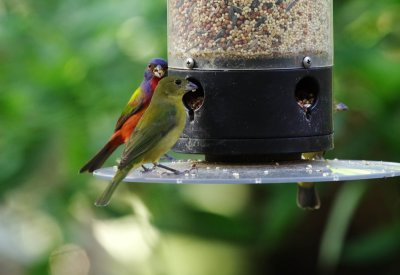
(282, 172)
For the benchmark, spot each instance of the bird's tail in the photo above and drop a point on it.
(307, 196)
(104, 199)
(98, 160)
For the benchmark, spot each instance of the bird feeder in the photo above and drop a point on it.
(265, 72)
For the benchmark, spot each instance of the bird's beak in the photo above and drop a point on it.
(158, 71)
(191, 87)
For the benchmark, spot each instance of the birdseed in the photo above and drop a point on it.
(249, 33)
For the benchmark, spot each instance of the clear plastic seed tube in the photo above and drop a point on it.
(249, 34)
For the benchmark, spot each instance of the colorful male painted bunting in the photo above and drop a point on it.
(131, 114)
(156, 132)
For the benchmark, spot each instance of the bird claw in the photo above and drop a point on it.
(170, 172)
(177, 172)
(147, 170)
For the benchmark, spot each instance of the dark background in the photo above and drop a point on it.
(66, 70)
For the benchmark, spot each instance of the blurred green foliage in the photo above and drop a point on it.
(66, 69)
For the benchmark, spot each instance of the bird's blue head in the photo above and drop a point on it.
(157, 67)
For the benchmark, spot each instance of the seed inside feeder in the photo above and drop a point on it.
(306, 93)
(194, 100)
(249, 33)
(306, 103)
(248, 56)
(195, 103)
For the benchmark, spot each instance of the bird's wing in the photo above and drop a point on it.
(147, 135)
(135, 104)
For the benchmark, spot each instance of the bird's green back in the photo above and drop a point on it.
(165, 113)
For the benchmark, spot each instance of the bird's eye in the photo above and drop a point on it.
(178, 82)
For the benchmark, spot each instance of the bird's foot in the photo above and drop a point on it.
(177, 172)
(147, 170)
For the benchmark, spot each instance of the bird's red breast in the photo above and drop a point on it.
(154, 83)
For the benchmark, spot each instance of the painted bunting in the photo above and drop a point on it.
(130, 116)
(156, 132)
